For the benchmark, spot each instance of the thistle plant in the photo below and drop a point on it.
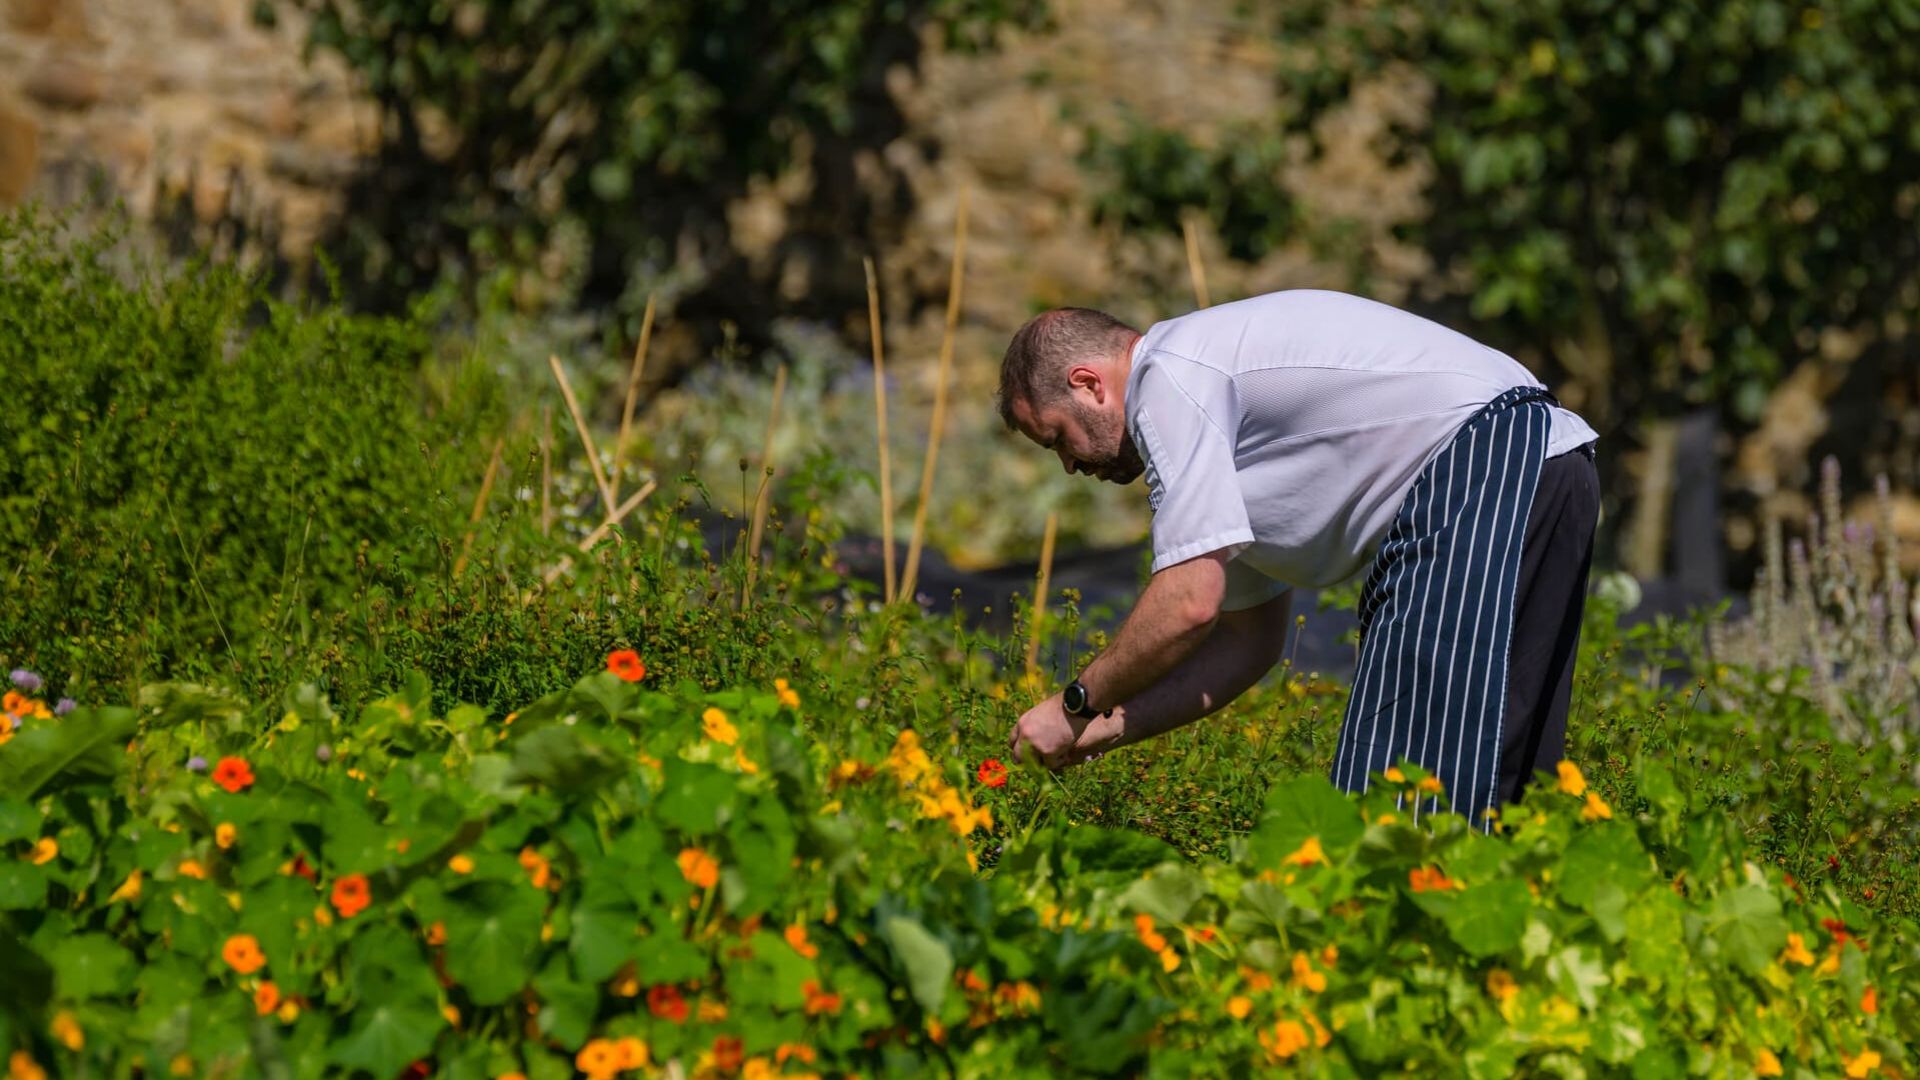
(1835, 604)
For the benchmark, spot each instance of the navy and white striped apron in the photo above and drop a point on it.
(1436, 613)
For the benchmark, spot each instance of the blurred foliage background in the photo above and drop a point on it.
(1695, 221)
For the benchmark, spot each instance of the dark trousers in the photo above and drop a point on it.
(1554, 562)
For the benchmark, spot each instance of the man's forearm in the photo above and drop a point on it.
(1230, 660)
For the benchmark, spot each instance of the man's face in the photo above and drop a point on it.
(1088, 438)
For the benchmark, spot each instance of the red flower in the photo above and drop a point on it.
(1833, 862)
(627, 664)
(992, 773)
(233, 774)
(665, 1002)
(728, 1052)
(303, 868)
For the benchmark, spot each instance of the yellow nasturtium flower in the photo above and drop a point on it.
(719, 728)
(1571, 782)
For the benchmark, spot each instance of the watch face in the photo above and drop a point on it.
(1074, 697)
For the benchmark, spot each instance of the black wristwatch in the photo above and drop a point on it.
(1074, 699)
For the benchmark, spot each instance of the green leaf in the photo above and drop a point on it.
(492, 933)
(604, 928)
(23, 886)
(86, 745)
(392, 1035)
(695, 796)
(90, 965)
(1297, 809)
(1489, 919)
(1117, 850)
(928, 961)
(1166, 894)
(1579, 973)
(1604, 854)
(1748, 925)
(566, 1006)
(18, 821)
(562, 758)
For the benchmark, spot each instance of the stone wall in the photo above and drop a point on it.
(184, 108)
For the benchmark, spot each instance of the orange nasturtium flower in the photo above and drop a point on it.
(233, 773)
(351, 895)
(1571, 782)
(539, 871)
(699, 868)
(129, 889)
(224, 834)
(1305, 977)
(1430, 879)
(67, 1030)
(1431, 785)
(719, 728)
(797, 938)
(598, 1059)
(45, 850)
(1307, 853)
(1765, 1064)
(627, 665)
(1286, 1039)
(266, 997)
(786, 694)
(21, 1066)
(461, 864)
(1870, 1001)
(1862, 1063)
(1596, 808)
(1796, 950)
(631, 1053)
(242, 953)
(819, 1000)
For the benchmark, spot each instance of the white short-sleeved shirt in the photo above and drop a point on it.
(1287, 429)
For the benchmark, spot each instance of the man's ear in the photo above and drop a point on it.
(1088, 377)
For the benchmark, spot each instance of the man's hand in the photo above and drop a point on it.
(1058, 739)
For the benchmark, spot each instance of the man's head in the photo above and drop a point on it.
(1063, 384)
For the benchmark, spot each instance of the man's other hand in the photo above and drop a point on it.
(1047, 732)
(1058, 739)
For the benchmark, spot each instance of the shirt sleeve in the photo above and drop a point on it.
(1182, 426)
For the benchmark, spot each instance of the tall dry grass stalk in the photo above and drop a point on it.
(765, 496)
(599, 532)
(633, 392)
(479, 507)
(546, 470)
(910, 577)
(586, 437)
(1835, 603)
(1196, 270)
(1040, 597)
(880, 419)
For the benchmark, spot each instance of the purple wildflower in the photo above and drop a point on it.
(26, 680)
(196, 763)
(64, 706)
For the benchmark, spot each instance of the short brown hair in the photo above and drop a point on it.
(1050, 343)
